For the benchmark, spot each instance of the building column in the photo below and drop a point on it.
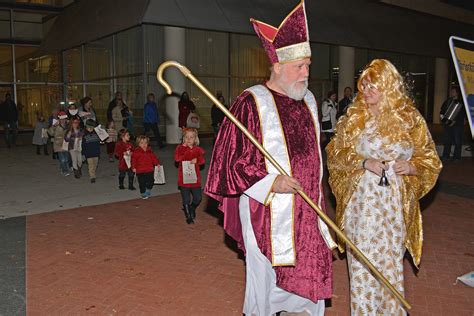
(441, 83)
(346, 69)
(174, 49)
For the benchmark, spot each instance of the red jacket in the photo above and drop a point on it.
(144, 161)
(184, 153)
(120, 148)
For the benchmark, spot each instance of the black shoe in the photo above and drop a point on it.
(93, 180)
(46, 154)
(76, 173)
(189, 219)
(192, 211)
(38, 153)
(79, 171)
(121, 187)
(131, 188)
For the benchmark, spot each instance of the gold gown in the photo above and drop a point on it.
(381, 221)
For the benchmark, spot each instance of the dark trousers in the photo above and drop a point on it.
(156, 132)
(186, 195)
(145, 181)
(453, 136)
(122, 175)
(10, 129)
(111, 149)
(45, 149)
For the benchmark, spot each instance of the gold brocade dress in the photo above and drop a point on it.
(382, 221)
(374, 222)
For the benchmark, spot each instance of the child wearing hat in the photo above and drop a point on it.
(57, 131)
(91, 148)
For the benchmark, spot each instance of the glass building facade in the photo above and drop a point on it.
(227, 63)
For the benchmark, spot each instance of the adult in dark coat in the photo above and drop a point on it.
(345, 102)
(9, 115)
(113, 103)
(453, 133)
(186, 106)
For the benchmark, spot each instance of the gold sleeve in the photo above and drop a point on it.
(428, 166)
(345, 169)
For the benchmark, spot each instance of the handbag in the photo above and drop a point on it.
(326, 125)
(65, 146)
(159, 175)
(189, 173)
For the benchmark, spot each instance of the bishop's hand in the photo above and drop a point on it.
(286, 184)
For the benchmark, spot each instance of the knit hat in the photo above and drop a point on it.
(62, 115)
(91, 123)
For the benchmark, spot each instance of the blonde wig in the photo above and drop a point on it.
(396, 117)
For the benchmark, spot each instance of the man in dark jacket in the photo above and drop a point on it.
(151, 118)
(10, 117)
(345, 102)
(453, 133)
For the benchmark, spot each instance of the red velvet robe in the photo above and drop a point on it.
(236, 165)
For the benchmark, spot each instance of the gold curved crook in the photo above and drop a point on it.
(187, 73)
(170, 63)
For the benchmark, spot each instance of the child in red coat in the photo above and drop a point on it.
(123, 150)
(190, 151)
(143, 164)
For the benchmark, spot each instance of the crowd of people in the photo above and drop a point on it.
(76, 138)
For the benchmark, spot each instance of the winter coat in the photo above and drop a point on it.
(90, 144)
(70, 137)
(38, 138)
(150, 113)
(9, 111)
(184, 153)
(144, 161)
(120, 149)
(117, 118)
(185, 108)
(58, 132)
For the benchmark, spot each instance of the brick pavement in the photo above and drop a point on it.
(140, 258)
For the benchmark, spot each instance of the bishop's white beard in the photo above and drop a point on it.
(297, 90)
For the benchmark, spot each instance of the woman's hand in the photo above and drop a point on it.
(375, 166)
(286, 184)
(194, 161)
(404, 168)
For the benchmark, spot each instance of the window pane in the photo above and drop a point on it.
(98, 59)
(132, 93)
(153, 47)
(36, 69)
(209, 54)
(249, 63)
(34, 99)
(27, 25)
(4, 24)
(6, 70)
(74, 93)
(73, 65)
(129, 52)
(101, 94)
